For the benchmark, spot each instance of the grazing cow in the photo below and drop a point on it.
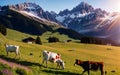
(90, 65)
(12, 48)
(52, 57)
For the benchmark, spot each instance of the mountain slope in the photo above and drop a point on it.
(17, 21)
(81, 15)
(92, 22)
(34, 9)
(29, 23)
(83, 18)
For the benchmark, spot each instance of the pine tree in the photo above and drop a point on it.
(53, 39)
(3, 29)
(38, 40)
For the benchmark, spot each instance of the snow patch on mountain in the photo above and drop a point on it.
(37, 18)
(34, 15)
(60, 18)
(72, 16)
(29, 13)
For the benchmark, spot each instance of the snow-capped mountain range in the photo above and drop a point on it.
(34, 9)
(83, 18)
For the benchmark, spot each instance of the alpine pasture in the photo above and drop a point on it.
(30, 62)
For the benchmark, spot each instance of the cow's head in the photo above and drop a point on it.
(77, 62)
(62, 64)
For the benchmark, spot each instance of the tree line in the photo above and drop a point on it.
(3, 29)
(93, 40)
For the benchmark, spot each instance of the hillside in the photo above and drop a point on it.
(62, 34)
(23, 22)
(28, 24)
(69, 52)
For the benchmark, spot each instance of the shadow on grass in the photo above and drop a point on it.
(26, 63)
(18, 61)
(60, 72)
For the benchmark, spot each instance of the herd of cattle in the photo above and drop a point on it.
(56, 58)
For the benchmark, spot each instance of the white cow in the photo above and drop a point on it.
(12, 48)
(53, 57)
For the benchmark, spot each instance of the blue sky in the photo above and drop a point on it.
(58, 5)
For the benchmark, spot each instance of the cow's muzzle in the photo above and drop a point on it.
(74, 64)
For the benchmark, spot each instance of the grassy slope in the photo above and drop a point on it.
(69, 52)
(17, 36)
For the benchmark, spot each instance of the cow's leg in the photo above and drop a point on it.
(46, 63)
(7, 53)
(101, 69)
(83, 72)
(43, 61)
(19, 54)
(57, 66)
(88, 72)
(15, 55)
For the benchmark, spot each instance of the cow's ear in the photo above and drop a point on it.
(59, 54)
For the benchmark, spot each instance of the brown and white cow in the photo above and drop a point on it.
(53, 57)
(90, 65)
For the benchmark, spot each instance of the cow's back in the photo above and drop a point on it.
(85, 65)
(11, 48)
(51, 56)
(95, 65)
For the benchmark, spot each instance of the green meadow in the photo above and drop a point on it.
(70, 51)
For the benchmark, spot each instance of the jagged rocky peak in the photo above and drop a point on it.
(83, 7)
(36, 10)
(26, 6)
(53, 13)
(81, 13)
(64, 12)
